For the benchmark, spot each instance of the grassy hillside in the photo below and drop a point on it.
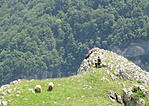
(87, 89)
(73, 88)
(67, 91)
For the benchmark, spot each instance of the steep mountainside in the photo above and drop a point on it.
(137, 52)
(117, 81)
(49, 38)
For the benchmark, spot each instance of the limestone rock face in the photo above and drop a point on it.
(135, 50)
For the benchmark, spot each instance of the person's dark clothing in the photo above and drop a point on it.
(98, 62)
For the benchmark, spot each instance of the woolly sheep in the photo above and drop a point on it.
(38, 88)
(50, 86)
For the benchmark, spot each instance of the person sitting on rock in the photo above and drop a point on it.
(89, 52)
(98, 62)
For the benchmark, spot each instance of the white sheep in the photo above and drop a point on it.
(38, 88)
(50, 86)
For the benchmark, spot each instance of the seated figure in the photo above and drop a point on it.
(98, 62)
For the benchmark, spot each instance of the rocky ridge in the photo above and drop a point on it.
(119, 67)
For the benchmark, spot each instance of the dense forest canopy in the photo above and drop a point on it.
(49, 38)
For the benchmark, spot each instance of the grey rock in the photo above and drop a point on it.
(90, 87)
(112, 76)
(123, 85)
(30, 89)
(3, 93)
(119, 99)
(147, 98)
(1, 89)
(108, 72)
(93, 71)
(103, 65)
(8, 91)
(18, 92)
(17, 95)
(25, 99)
(85, 85)
(2, 97)
(9, 100)
(33, 91)
(112, 99)
(142, 102)
(125, 95)
(142, 88)
(4, 103)
(103, 78)
(112, 94)
(15, 88)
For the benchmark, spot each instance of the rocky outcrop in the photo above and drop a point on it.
(118, 66)
(85, 65)
(123, 68)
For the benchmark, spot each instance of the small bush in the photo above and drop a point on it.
(139, 81)
(135, 89)
(137, 94)
(124, 79)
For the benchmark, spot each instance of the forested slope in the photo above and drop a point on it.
(48, 38)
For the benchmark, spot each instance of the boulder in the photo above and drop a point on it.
(4, 103)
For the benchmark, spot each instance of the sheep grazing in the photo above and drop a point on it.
(50, 87)
(38, 88)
